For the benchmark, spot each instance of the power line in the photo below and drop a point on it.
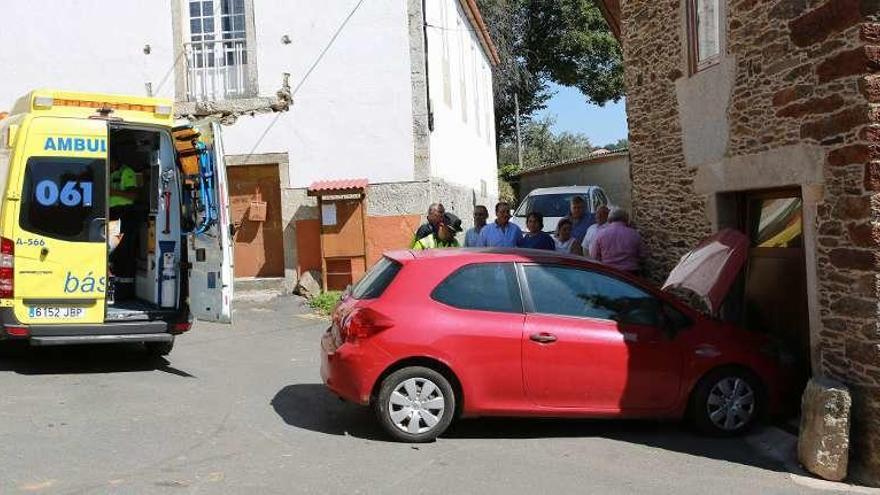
(446, 28)
(306, 75)
(326, 48)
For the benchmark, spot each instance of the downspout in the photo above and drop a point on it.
(427, 79)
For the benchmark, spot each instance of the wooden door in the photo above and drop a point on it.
(342, 241)
(259, 245)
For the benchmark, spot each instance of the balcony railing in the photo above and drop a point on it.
(217, 70)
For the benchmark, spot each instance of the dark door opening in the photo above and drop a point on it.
(774, 286)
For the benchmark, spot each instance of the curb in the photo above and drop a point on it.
(780, 444)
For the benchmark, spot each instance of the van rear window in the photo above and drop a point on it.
(62, 198)
(376, 280)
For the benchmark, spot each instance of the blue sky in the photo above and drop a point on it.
(603, 125)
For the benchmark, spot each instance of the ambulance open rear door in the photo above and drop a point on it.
(210, 244)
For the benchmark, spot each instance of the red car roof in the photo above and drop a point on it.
(506, 254)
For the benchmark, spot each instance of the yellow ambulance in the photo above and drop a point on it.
(114, 221)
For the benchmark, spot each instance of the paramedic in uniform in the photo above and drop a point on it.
(123, 227)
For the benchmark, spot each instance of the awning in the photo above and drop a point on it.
(337, 187)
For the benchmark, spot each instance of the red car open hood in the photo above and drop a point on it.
(710, 269)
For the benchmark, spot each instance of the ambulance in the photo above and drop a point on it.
(114, 222)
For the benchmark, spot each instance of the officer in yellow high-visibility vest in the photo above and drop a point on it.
(123, 188)
(443, 237)
(124, 227)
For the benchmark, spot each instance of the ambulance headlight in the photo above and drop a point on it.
(43, 102)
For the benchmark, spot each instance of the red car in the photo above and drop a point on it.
(429, 336)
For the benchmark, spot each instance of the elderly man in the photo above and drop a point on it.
(618, 245)
(580, 218)
(472, 236)
(434, 217)
(500, 233)
(601, 221)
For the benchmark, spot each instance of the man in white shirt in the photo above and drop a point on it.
(590, 236)
(472, 236)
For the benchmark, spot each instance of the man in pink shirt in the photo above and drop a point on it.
(618, 245)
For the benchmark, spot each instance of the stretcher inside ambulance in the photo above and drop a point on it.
(114, 223)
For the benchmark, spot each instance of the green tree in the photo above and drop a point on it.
(621, 144)
(542, 146)
(543, 41)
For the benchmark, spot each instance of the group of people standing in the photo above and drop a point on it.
(605, 237)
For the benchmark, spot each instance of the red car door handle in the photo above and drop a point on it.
(543, 338)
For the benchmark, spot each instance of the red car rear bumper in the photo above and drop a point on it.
(349, 370)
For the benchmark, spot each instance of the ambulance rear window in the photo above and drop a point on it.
(62, 198)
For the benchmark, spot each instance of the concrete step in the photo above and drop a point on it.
(259, 288)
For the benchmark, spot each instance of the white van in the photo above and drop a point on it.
(554, 202)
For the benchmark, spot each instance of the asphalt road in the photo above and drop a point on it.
(241, 409)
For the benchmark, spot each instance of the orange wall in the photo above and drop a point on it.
(389, 233)
(308, 245)
(383, 234)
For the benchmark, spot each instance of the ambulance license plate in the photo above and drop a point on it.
(56, 312)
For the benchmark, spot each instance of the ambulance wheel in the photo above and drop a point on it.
(159, 349)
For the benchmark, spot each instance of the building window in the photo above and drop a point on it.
(705, 33)
(219, 51)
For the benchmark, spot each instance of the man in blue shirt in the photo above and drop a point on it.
(500, 233)
(472, 236)
(580, 218)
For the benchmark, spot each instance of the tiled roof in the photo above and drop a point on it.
(482, 31)
(595, 156)
(334, 186)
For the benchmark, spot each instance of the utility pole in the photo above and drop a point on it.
(518, 138)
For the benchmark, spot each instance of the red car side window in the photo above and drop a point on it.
(566, 291)
(483, 287)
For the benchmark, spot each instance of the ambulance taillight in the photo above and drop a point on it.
(7, 268)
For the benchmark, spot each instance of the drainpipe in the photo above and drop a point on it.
(427, 79)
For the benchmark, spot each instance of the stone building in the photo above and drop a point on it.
(764, 115)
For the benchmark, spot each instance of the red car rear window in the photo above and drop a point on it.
(377, 279)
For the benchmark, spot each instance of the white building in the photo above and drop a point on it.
(398, 92)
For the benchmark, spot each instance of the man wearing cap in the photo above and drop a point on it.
(444, 235)
(435, 215)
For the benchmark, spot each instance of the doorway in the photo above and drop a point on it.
(255, 208)
(775, 283)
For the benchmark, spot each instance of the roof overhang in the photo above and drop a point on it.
(337, 187)
(611, 10)
(479, 25)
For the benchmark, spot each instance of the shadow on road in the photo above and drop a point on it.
(313, 407)
(82, 359)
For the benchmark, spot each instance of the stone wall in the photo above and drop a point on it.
(665, 209)
(803, 75)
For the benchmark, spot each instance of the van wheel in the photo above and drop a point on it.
(727, 402)
(415, 404)
(159, 349)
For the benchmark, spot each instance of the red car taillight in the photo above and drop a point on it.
(7, 268)
(362, 323)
